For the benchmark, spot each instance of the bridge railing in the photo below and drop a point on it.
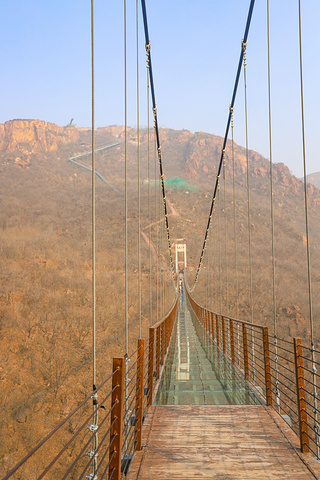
(282, 372)
(98, 438)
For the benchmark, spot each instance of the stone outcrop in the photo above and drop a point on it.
(25, 137)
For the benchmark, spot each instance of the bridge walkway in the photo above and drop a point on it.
(224, 442)
(207, 422)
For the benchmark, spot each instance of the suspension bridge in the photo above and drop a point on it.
(205, 395)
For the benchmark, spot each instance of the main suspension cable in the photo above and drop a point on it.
(155, 116)
(245, 37)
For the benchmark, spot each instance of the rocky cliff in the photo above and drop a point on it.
(21, 138)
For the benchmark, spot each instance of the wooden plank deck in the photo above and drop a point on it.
(223, 442)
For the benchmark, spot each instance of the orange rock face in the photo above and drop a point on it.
(34, 136)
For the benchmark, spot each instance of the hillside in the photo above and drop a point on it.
(314, 179)
(45, 242)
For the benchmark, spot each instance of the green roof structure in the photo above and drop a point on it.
(178, 183)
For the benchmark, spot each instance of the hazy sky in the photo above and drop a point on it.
(45, 59)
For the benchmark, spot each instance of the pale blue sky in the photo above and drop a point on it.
(45, 58)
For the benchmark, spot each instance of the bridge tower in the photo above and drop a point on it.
(181, 248)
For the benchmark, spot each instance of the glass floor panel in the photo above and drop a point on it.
(194, 376)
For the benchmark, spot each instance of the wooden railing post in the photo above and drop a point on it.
(245, 351)
(150, 365)
(139, 394)
(233, 358)
(301, 394)
(217, 329)
(212, 326)
(117, 401)
(163, 329)
(223, 335)
(267, 367)
(158, 352)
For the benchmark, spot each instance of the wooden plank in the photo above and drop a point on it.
(219, 442)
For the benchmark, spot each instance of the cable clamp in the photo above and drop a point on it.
(94, 397)
(93, 428)
(244, 45)
(148, 47)
(231, 109)
(92, 454)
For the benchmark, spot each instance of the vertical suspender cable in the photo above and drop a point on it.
(272, 219)
(235, 233)
(138, 154)
(94, 396)
(93, 203)
(244, 46)
(234, 218)
(213, 276)
(125, 181)
(219, 241)
(126, 226)
(225, 235)
(149, 194)
(314, 369)
(156, 226)
(305, 181)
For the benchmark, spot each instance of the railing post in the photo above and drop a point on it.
(163, 329)
(117, 401)
(158, 352)
(267, 367)
(217, 328)
(139, 394)
(233, 358)
(245, 352)
(223, 335)
(150, 365)
(212, 326)
(301, 394)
